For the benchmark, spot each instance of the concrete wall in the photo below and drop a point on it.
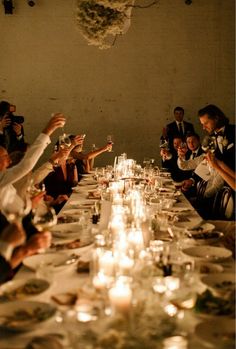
(173, 54)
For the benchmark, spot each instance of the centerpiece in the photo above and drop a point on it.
(100, 21)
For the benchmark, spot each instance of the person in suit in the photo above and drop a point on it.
(217, 125)
(170, 157)
(194, 151)
(179, 127)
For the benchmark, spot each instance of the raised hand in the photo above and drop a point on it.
(56, 121)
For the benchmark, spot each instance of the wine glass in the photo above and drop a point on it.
(164, 144)
(44, 218)
(209, 144)
(110, 140)
(64, 141)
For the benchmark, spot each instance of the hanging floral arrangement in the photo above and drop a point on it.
(98, 20)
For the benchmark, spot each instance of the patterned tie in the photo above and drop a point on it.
(181, 129)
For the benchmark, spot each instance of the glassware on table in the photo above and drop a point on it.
(44, 218)
(146, 162)
(209, 144)
(110, 141)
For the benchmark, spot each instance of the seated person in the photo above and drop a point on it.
(194, 151)
(9, 176)
(59, 183)
(169, 160)
(84, 160)
(11, 128)
(14, 248)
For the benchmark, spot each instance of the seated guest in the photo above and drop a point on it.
(9, 176)
(13, 248)
(11, 128)
(169, 159)
(59, 183)
(194, 151)
(84, 160)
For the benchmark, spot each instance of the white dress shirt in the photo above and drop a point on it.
(8, 194)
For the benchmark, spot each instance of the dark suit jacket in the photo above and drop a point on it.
(172, 130)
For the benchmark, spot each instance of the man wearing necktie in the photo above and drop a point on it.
(179, 127)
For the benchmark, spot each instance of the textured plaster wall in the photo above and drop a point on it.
(173, 54)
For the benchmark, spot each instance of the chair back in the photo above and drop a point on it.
(224, 204)
(201, 188)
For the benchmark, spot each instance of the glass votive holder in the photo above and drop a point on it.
(45, 271)
(172, 283)
(159, 285)
(85, 311)
(175, 342)
(120, 296)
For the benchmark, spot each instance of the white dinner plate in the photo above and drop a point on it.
(22, 289)
(220, 333)
(25, 315)
(50, 259)
(208, 253)
(208, 268)
(219, 283)
(205, 238)
(204, 228)
(67, 230)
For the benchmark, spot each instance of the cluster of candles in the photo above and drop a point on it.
(126, 237)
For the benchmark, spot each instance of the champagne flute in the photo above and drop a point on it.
(110, 140)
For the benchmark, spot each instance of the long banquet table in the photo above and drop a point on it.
(67, 279)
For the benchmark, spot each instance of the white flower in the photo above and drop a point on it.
(97, 19)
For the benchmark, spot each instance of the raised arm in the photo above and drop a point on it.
(224, 171)
(34, 152)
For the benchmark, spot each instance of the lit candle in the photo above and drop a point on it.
(120, 297)
(175, 342)
(172, 283)
(126, 264)
(100, 281)
(107, 263)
